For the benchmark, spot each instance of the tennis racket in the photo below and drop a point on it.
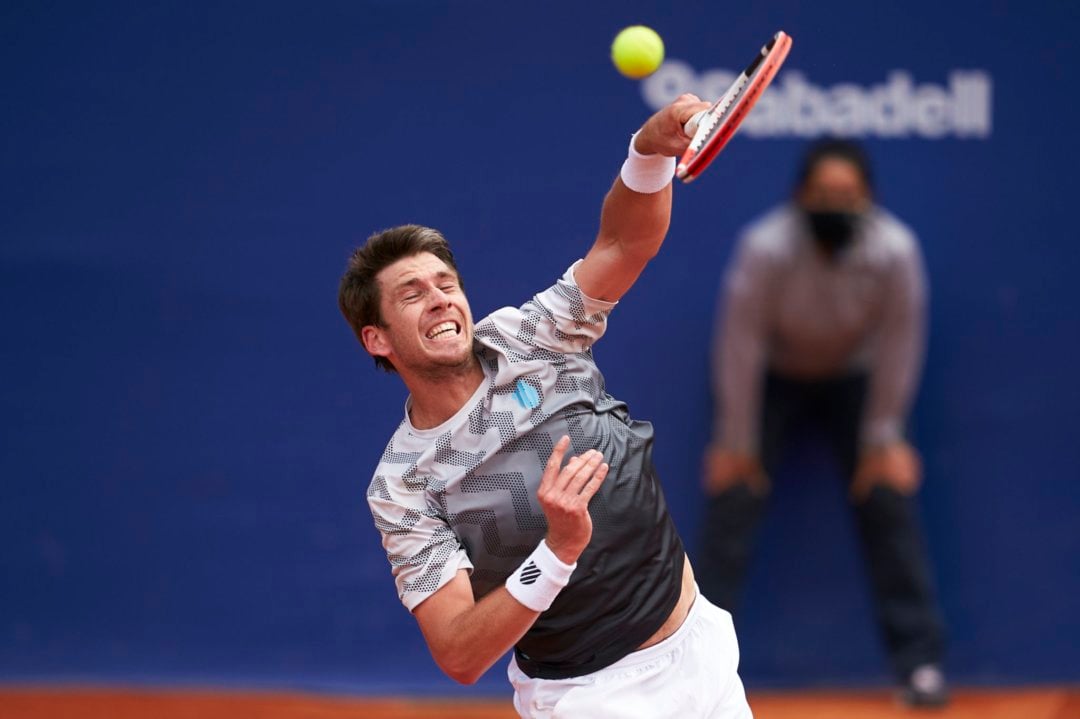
(711, 129)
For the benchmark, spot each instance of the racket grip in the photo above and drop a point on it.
(692, 124)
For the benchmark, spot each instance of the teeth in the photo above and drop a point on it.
(441, 328)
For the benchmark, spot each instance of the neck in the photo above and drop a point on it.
(437, 396)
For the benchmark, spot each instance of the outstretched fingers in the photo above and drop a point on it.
(564, 496)
(581, 476)
(554, 463)
(586, 479)
(591, 485)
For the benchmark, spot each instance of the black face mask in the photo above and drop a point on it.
(833, 231)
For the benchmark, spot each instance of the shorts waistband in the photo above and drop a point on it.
(649, 654)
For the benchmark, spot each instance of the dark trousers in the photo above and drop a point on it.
(892, 540)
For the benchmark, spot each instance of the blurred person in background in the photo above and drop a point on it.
(821, 330)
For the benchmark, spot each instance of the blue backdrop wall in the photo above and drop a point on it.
(189, 426)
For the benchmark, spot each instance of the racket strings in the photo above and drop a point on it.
(718, 124)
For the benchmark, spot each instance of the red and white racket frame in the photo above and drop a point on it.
(718, 124)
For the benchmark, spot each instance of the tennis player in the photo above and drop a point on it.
(517, 501)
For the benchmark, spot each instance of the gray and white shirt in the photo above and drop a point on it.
(463, 495)
(788, 308)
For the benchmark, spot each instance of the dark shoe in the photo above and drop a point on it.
(926, 688)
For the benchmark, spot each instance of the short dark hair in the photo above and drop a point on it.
(358, 293)
(840, 149)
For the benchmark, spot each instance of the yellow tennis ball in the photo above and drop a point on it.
(637, 51)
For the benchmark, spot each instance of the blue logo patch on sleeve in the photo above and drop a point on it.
(526, 395)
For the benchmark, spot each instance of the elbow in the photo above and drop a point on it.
(461, 673)
(637, 253)
(638, 247)
(644, 254)
(460, 667)
(467, 679)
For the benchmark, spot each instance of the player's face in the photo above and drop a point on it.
(428, 324)
(835, 185)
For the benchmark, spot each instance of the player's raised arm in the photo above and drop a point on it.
(637, 210)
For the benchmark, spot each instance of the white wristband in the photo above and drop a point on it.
(646, 173)
(539, 579)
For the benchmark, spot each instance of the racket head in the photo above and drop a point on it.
(718, 125)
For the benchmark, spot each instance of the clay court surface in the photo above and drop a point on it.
(146, 704)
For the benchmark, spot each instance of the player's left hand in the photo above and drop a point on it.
(663, 134)
(564, 496)
(896, 465)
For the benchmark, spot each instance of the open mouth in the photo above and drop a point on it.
(444, 330)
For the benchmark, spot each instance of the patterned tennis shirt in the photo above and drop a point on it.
(462, 495)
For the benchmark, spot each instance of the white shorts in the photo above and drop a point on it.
(690, 675)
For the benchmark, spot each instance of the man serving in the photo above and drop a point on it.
(495, 538)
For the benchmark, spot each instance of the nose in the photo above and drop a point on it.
(439, 299)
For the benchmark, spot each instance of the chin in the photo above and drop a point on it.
(449, 357)
(459, 360)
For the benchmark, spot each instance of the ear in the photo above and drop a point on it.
(375, 341)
